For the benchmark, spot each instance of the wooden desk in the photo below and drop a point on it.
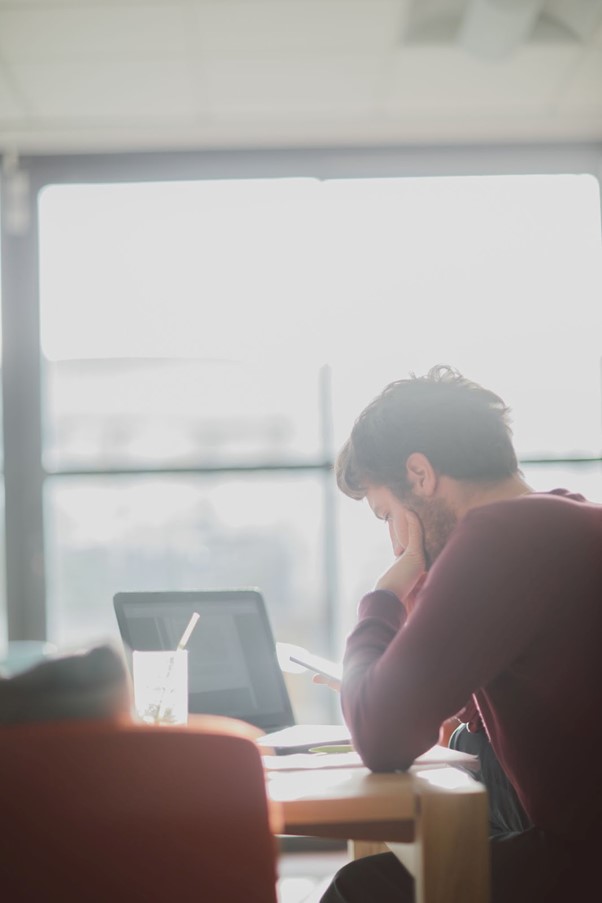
(434, 819)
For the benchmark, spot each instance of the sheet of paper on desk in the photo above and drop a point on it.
(443, 755)
(300, 761)
(438, 755)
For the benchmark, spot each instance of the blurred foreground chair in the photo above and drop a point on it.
(100, 811)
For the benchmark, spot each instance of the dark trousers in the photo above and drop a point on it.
(506, 815)
(527, 866)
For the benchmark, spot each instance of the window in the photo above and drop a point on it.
(183, 436)
(207, 344)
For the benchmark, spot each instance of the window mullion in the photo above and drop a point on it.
(23, 474)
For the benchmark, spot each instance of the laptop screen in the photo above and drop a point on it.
(232, 664)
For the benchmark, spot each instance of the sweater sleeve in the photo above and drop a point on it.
(403, 679)
(368, 694)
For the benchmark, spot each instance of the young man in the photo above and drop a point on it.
(495, 600)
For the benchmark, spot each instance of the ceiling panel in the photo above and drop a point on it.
(269, 86)
(86, 90)
(10, 107)
(131, 74)
(122, 33)
(580, 17)
(284, 28)
(77, 4)
(584, 85)
(422, 77)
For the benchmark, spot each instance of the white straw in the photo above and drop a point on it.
(188, 631)
(183, 640)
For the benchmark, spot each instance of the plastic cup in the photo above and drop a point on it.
(161, 686)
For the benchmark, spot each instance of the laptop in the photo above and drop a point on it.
(233, 666)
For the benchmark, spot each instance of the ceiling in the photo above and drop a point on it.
(83, 76)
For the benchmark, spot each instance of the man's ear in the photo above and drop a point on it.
(421, 474)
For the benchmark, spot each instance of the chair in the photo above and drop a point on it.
(111, 811)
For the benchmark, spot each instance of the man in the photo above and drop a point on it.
(494, 599)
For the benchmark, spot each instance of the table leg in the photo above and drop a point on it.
(359, 848)
(450, 855)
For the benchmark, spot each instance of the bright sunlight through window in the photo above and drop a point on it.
(192, 324)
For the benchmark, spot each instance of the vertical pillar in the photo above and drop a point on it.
(23, 474)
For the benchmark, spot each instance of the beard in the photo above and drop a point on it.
(438, 521)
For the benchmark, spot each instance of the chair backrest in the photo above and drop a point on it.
(101, 811)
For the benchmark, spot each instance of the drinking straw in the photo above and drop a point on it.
(181, 645)
(186, 635)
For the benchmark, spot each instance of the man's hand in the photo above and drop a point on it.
(403, 575)
(331, 682)
(447, 729)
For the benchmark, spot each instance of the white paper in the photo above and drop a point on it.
(437, 755)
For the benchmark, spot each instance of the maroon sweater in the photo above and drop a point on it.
(510, 613)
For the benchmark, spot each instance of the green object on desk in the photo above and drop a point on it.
(347, 747)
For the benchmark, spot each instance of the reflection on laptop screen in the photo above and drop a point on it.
(232, 665)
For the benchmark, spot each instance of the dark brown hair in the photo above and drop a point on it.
(460, 427)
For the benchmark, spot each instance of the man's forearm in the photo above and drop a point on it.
(381, 616)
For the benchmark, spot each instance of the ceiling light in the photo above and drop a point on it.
(494, 29)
